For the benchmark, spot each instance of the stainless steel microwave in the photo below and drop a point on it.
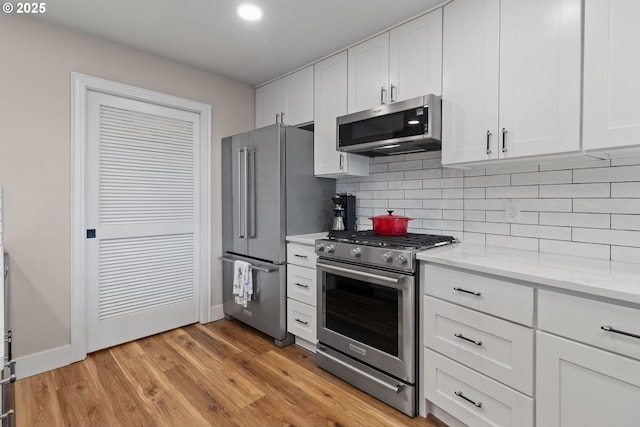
(408, 126)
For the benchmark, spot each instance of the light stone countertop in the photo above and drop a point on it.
(307, 239)
(603, 278)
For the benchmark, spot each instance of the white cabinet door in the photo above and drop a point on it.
(540, 66)
(579, 386)
(297, 97)
(268, 103)
(330, 101)
(368, 74)
(611, 70)
(470, 81)
(415, 57)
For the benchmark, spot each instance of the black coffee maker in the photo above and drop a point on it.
(344, 212)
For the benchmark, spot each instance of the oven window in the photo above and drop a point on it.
(364, 312)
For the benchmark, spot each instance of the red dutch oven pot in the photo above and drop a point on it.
(390, 225)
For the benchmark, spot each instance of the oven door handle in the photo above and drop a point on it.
(335, 269)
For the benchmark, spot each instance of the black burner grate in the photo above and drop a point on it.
(408, 241)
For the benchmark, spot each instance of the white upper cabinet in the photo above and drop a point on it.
(368, 73)
(288, 100)
(403, 63)
(415, 57)
(611, 70)
(511, 79)
(330, 101)
(268, 103)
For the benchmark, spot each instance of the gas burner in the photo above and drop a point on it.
(410, 241)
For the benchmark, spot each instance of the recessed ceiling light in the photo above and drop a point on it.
(249, 12)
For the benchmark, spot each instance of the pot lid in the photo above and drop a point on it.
(390, 216)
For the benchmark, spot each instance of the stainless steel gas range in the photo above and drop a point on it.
(368, 311)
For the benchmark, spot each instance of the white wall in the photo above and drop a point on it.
(585, 207)
(35, 66)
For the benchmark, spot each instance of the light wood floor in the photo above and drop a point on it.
(220, 374)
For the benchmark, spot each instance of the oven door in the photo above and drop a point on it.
(369, 315)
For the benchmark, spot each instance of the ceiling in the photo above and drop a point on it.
(207, 34)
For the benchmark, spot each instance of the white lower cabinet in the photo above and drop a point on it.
(473, 398)
(302, 294)
(578, 385)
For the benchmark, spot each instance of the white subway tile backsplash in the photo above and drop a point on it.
(589, 207)
(423, 194)
(625, 254)
(575, 219)
(575, 190)
(621, 206)
(442, 183)
(406, 165)
(405, 185)
(625, 189)
(625, 222)
(487, 181)
(527, 191)
(541, 231)
(577, 249)
(487, 227)
(612, 174)
(607, 237)
(512, 242)
(552, 177)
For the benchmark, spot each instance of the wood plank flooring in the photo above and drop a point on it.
(219, 374)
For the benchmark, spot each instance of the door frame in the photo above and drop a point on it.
(81, 84)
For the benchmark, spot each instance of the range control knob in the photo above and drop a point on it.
(401, 259)
(387, 256)
(320, 248)
(330, 249)
(356, 252)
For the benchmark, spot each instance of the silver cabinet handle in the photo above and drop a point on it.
(504, 140)
(383, 95)
(462, 396)
(302, 285)
(277, 118)
(341, 161)
(302, 322)
(300, 256)
(462, 337)
(489, 143)
(467, 292)
(281, 118)
(393, 98)
(608, 328)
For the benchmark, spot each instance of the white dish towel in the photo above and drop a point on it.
(242, 282)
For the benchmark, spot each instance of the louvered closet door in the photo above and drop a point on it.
(142, 187)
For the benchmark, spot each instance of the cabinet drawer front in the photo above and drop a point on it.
(302, 255)
(578, 385)
(473, 398)
(582, 319)
(491, 295)
(301, 284)
(497, 348)
(301, 320)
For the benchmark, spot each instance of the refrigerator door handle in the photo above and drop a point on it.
(246, 150)
(251, 188)
(241, 232)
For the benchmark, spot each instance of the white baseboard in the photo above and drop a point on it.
(38, 363)
(216, 312)
(307, 345)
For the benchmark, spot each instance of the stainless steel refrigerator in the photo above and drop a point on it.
(268, 192)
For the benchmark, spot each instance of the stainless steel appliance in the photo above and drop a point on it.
(268, 191)
(408, 126)
(344, 217)
(368, 312)
(8, 371)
